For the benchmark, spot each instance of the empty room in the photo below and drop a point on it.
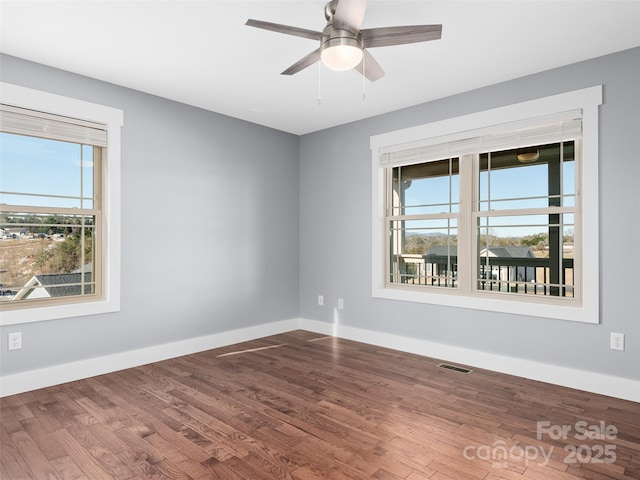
(306, 240)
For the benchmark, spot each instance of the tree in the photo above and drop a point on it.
(65, 256)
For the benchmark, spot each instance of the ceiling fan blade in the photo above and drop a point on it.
(303, 63)
(276, 27)
(386, 36)
(372, 69)
(349, 15)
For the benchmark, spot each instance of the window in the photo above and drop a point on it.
(59, 207)
(423, 205)
(491, 217)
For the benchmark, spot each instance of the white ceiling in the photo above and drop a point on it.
(201, 53)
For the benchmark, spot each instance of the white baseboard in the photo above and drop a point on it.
(625, 388)
(68, 372)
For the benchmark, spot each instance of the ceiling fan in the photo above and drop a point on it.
(343, 45)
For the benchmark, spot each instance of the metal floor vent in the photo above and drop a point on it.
(453, 367)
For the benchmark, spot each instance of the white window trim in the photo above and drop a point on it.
(588, 100)
(113, 118)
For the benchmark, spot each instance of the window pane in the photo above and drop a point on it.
(42, 172)
(424, 252)
(45, 256)
(526, 254)
(427, 188)
(536, 177)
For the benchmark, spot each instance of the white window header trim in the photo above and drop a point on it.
(519, 112)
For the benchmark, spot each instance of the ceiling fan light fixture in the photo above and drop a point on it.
(342, 53)
(342, 40)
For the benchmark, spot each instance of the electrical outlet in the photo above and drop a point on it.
(320, 300)
(15, 341)
(341, 304)
(617, 341)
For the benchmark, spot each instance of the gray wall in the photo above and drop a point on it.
(335, 228)
(249, 225)
(209, 227)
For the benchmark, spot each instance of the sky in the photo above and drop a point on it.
(52, 168)
(510, 188)
(60, 174)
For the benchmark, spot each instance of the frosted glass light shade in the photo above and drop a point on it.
(341, 57)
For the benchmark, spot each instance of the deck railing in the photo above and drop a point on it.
(531, 276)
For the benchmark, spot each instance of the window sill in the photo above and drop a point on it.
(516, 306)
(31, 314)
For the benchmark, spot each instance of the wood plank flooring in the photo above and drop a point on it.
(306, 407)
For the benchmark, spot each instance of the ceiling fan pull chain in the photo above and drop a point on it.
(364, 66)
(319, 83)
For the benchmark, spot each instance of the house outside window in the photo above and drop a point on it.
(59, 206)
(492, 217)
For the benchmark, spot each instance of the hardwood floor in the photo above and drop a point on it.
(306, 407)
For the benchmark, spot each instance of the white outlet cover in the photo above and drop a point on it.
(617, 341)
(15, 341)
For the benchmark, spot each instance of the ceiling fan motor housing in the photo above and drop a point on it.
(332, 38)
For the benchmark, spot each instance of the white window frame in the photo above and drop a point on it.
(587, 100)
(113, 119)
